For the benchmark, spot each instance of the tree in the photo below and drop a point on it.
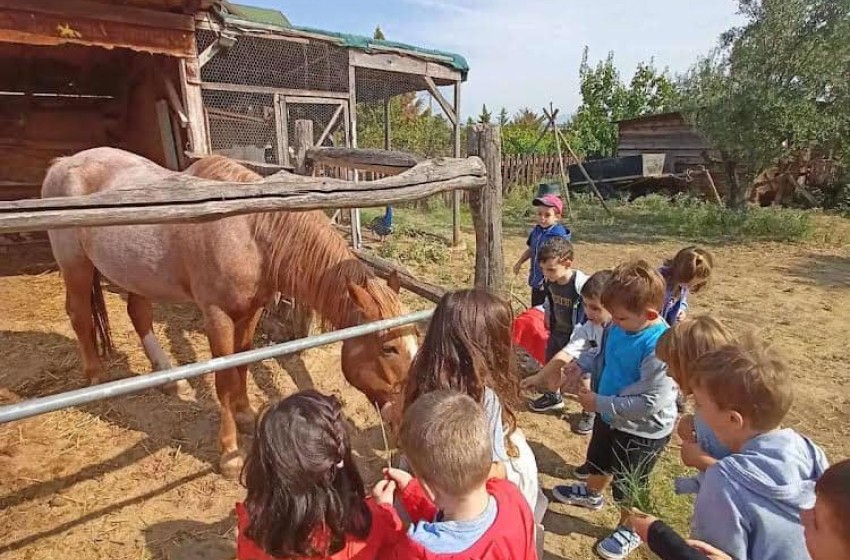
(485, 117)
(606, 99)
(776, 84)
(522, 135)
(503, 117)
(414, 126)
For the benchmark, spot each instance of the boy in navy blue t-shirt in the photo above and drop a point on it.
(548, 208)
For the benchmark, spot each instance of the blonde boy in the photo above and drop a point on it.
(456, 512)
(749, 503)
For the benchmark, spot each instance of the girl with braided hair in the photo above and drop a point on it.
(305, 494)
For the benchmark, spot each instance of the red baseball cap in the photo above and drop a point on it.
(550, 200)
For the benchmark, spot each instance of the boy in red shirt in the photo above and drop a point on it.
(455, 512)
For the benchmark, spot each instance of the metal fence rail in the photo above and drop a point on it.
(43, 405)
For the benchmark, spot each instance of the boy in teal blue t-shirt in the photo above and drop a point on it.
(633, 397)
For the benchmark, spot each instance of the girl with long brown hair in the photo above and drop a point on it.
(305, 494)
(468, 348)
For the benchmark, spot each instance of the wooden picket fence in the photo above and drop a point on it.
(528, 169)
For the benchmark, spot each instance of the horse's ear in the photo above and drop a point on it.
(363, 300)
(394, 282)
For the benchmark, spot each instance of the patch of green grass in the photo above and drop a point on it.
(682, 216)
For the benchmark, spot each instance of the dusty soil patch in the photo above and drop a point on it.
(132, 477)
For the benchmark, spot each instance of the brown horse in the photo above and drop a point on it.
(230, 268)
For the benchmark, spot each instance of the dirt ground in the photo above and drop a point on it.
(133, 477)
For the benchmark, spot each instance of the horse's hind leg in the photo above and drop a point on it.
(79, 277)
(140, 310)
(243, 339)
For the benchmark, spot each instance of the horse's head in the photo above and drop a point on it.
(377, 363)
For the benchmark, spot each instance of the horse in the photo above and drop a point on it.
(230, 268)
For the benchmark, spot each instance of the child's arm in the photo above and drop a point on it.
(526, 255)
(694, 456)
(549, 377)
(634, 407)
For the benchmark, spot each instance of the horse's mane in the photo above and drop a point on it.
(308, 259)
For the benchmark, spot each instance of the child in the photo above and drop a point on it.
(633, 397)
(679, 347)
(548, 209)
(468, 349)
(687, 272)
(586, 337)
(305, 494)
(826, 526)
(749, 502)
(562, 285)
(457, 513)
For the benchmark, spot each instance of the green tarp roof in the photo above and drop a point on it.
(269, 16)
(275, 18)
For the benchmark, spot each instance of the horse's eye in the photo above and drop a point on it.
(389, 350)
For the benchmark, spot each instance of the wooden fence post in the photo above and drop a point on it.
(484, 141)
(283, 319)
(303, 142)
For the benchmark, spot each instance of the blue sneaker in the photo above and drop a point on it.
(618, 544)
(578, 495)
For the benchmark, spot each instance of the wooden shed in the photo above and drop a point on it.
(664, 133)
(177, 79)
(75, 74)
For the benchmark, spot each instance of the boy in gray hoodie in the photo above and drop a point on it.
(749, 502)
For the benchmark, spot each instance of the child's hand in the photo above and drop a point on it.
(587, 399)
(400, 477)
(711, 552)
(693, 456)
(384, 491)
(640, 523)
(686, 429)
(531, 382)
(518, 267)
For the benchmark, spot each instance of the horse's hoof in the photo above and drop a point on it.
(180, 389)
(246, 420)
(231, 465)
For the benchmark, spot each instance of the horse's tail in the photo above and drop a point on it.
(100, 318)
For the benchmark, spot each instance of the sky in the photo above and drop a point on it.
(526, 53)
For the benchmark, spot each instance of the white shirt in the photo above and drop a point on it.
(586, 339)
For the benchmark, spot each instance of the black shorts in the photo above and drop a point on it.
(556, 343)
(628, 458)
(537, 297)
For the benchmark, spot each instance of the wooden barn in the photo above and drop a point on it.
(75, 74)
(664, 133)
(173, 80)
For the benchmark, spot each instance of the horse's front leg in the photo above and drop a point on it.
(140, 310)
(220, 332)
(244, 337)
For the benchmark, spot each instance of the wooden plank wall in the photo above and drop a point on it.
(35, 129)
(663, 134)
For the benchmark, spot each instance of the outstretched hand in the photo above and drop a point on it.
(708, 550)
